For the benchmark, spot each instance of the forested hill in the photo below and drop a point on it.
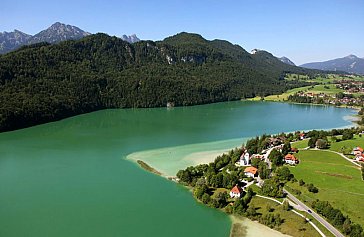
(43, 82)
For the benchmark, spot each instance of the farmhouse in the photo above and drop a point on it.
(290, 159)
(236, 192)
(357, 151)
(360, 158)
(251, 171)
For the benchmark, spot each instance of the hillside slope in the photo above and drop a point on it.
(43, 82)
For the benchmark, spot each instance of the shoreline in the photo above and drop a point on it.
(239, 225)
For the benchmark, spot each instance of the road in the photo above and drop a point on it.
(326, 224)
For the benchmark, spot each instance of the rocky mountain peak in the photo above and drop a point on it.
(131, 38)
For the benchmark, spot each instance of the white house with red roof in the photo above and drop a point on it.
(357, 151)
(290, 159)
(360, 158)
(251, 171)
(236, 192)
(302, 136)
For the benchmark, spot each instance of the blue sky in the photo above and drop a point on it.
(304, 31)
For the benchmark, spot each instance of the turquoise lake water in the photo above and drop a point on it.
(72, 178)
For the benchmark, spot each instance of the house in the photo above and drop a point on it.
(244, 159)
(236, 192)
(302, 136)
(357, 151)
(360, 158)
(290, 159)
(251, 171)
(257, 156)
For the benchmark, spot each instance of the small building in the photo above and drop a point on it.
(236, 192)
(357, 151)
(302, 136)
(251, 171)
(290, 159)
(258, 156)
(244, 159)
(359, 158)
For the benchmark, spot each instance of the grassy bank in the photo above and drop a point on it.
(293, 224)
(338, 181)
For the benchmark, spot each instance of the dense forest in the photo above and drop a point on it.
(42, 82)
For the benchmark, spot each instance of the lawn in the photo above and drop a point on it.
(300, 144)
(327, 89)
(338, 181)
(282, 97)
(293, 224)
(315, 89)
(356, 141)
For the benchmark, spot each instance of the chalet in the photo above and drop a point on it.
(236, 192)
(357, 151)
(251, 171)
(290, 159)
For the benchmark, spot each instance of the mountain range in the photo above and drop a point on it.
(45, 82)
(350, 64)
(57, 32)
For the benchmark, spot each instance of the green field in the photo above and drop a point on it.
(338, 180)
(307, 89)
(293, 224)
(281, 97)
(357, 141)
(300, 144)
(323, 82)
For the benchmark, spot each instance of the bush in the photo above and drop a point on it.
(311, 188)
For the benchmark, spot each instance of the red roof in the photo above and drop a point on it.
(236, 189)
(358, 149)
(251, 169)
(290, 157)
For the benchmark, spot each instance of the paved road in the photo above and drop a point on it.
(327, 225)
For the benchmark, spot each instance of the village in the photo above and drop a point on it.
(252, 172)
(288, 170)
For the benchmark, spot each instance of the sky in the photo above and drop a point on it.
(304, 31)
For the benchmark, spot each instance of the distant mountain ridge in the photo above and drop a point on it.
(350, 64)
(12, 40)
(57, 32)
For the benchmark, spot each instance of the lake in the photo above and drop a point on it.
(72, 178)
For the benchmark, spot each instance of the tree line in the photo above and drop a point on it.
(43, 82)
